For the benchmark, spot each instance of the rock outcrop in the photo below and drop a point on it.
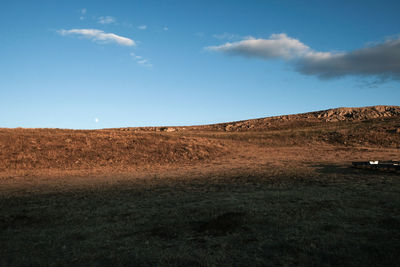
(330, 115)
(287, 121)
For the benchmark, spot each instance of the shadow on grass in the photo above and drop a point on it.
(349, 170)
(223, 224)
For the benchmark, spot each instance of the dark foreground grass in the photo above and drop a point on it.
(333, 218)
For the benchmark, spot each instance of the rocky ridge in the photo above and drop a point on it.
(302, 119)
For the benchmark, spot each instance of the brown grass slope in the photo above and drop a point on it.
(279, 193)
(69, 149)
(24, 149)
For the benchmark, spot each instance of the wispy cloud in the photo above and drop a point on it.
(141, 61)
(145, 62)
(99, 36)
(135, 56)
(226, 36)
(106, 20)
(142, 27)
(82, 12)
(165, 28)
(381, 60)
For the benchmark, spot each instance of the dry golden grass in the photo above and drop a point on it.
(27, 149)
(54, 149)
(284, 196)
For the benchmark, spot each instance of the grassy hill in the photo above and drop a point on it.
(33, 149)
(264, 192)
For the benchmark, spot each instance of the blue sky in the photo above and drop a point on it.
(102, 64)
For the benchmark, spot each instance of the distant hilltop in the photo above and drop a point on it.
(287, 121)
(363, 113)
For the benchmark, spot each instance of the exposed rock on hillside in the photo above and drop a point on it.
(288, 121)
(366, 113)
(310, 118)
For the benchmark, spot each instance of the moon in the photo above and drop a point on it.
(96, 120)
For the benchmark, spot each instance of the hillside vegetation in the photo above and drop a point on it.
(25, 149)
(276, 191)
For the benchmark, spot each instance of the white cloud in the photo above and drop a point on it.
(141, 61)
(106, 20)
(277, 46)
(96, 120)
(142, 27)
(99, 36)
(381, 60)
